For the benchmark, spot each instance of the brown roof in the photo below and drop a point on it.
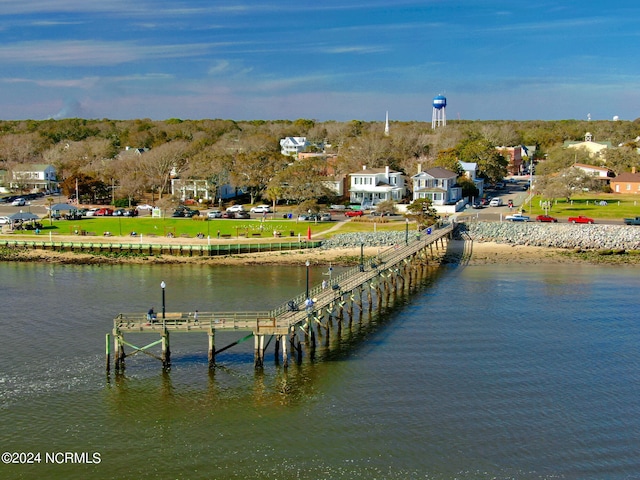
(627, 177)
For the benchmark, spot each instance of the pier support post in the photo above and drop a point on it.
(212, 348)
(285, 355)
(108, 351)
(258, 344)
(118, 350)
(166, 350)
(299, 348)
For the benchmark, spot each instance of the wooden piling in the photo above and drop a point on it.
(108, 351)
(285, 356)
(212, 348)
(166, 350)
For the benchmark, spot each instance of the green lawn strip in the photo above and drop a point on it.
(188, 228)
(183, 227)
(617, 207)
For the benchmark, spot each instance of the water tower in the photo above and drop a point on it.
(439, 116)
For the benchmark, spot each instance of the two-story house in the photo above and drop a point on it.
(291, 146)
(437, 184)
(371, 186)
(34, 178)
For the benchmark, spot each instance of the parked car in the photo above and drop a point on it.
(242, 214)
(632, 221)
(546, 218)
(236, 208)
(228, 214)
(19, 202)
(325, 217)
(353, 213)
(5, 220)
(478, 205)
(261, 209)
(103, 212)
(91, 212)
(214, 214)
(119, 212)
(144, 206)
(132, 212)
(185, 212)
(495, 202)
(517, 217)
(580, 219)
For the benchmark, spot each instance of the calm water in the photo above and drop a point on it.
(522, 372)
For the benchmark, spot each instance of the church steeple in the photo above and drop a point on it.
(386, 125)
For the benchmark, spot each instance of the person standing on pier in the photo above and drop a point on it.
(308, 303)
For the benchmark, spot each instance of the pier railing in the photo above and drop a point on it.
(194, 320)
(357, 275)
(191, 250)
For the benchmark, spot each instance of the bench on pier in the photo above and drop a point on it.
(225, 235)
(256, 234)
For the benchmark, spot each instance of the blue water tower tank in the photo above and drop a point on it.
(439, 102)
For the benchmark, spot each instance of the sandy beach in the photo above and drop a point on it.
(476, 253)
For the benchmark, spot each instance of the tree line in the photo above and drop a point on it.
(246, 154)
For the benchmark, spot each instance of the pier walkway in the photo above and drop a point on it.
(375, 278)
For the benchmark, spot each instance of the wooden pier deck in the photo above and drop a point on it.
(379, 274)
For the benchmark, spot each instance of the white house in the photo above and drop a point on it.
(597, 172)
(291, 146)
(336, 184)
(601, 174)
(194, 188)
(34, 177)
(471, 172)
(437, 184)
(372, 186)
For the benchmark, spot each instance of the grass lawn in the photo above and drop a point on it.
(186, 227)
(617, 206)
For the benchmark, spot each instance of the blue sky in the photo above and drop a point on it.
(325, 60)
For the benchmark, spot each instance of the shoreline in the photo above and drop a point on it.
(469, 253)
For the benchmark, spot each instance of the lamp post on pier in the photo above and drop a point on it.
(307, 264)
(163, 285)
(406, 232)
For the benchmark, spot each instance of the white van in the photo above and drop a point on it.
(495, 202)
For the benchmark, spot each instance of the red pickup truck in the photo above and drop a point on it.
(353, 213)
(580, 219)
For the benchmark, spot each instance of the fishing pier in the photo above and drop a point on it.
(368, 287)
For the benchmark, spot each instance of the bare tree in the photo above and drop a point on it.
(160, 163)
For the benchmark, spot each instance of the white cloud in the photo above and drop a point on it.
(89, 52)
